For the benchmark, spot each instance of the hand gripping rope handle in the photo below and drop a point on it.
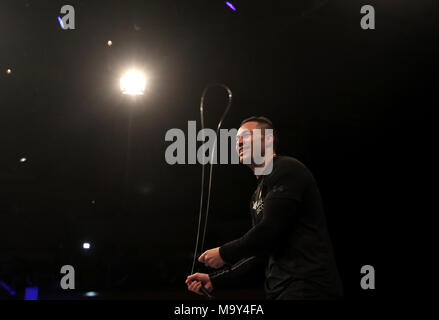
(226, 111)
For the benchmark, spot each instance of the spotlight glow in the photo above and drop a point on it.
(8, 71)
(86, 245)
(23, 160)
(133, 83)
(110, 43)
(230, 5)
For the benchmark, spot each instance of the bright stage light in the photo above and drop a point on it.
(8, 71)
(230, 5)
(60, 22)
(91, 294)
(133, 83)
(86, 245)
(31, 293)
(110, 43)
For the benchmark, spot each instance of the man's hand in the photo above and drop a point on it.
(212, 258)
(196, 280)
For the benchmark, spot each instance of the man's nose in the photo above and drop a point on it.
(239, 142)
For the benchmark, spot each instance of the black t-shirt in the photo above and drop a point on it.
(289, 228)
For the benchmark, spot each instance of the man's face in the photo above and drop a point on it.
(245, 140)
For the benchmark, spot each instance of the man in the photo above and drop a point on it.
(289, 228)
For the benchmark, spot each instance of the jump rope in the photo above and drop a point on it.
(206, 214)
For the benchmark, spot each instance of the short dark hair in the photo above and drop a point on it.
(268, 124)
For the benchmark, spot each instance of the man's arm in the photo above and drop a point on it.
(278, 218)
(227, 275)
(223, 277)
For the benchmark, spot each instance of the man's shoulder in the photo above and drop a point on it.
(289, 164)
(289, 168)
(289, 179)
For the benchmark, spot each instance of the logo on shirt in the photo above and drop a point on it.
(258, 206)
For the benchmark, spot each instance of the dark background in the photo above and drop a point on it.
(352, 104)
